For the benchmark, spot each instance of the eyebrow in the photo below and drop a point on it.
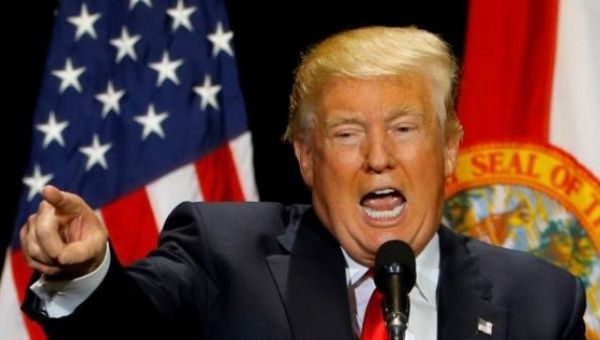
(337, 121)
(401, 110)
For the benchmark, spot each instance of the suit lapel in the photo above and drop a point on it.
(311, 280)
(465, 310)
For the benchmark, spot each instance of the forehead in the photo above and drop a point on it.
(384, 94)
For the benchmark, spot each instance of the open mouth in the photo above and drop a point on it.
(383, 204)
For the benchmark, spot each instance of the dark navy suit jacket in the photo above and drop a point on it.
(265, 271)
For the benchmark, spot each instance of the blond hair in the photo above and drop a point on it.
(373, 52)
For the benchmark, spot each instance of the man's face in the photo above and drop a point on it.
(375, 159)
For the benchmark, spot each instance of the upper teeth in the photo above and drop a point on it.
(383, 191)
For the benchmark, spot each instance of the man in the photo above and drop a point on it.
(375, 135)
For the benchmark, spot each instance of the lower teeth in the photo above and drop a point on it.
(387, 214)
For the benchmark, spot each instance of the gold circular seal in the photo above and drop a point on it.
(532, 198)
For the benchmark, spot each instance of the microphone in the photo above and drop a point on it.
(395, 276)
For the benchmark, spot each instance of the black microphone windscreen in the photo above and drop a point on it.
(395, 257)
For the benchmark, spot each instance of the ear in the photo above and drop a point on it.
(451, 155)
(304, 155)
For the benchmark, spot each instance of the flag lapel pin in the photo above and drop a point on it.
(484, 326)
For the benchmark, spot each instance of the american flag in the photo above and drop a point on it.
(139, 109)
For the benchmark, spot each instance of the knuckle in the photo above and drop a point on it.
(43, 233)
(50, 270)
(41, 260)
(30, 235)
(37, 253)
(24, 244)
(23, 233)
(34, 249)
(40, 267)
(42, 206)
(24, 241)
(25, 252)
(34, 252)
(31, 263)
(34, 264)
(45, 208)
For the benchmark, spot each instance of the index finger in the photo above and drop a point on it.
(46, 234)
(64, 202)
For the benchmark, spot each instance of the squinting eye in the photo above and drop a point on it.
(347, 136)
(404, 128)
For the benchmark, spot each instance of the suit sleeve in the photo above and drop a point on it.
(165, 295)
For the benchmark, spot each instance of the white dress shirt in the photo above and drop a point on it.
(422, 322)
(60, 298)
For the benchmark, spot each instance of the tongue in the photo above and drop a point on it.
(382, 203)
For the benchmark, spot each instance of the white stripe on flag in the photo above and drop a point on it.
(168, 191)
(575, 112)
(241, 149)
(12, 325)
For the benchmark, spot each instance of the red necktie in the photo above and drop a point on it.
(373, 323)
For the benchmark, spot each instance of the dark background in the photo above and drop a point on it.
(268, 41)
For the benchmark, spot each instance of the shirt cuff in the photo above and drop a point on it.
(60, 298)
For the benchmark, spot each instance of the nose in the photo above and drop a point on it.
(379, 153)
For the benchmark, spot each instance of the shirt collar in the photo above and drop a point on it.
(428, 269)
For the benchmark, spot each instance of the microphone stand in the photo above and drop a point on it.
(397, 308)
(396, 324)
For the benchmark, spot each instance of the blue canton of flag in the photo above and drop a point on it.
(133, 92)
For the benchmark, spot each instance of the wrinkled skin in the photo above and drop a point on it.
(375, 158)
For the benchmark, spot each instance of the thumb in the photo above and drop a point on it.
(82, 253)
(62, 201)
(74, 253)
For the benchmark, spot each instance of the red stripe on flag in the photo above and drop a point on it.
(507, 71)
(218, 176)
(22, 274)
(131, 226)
